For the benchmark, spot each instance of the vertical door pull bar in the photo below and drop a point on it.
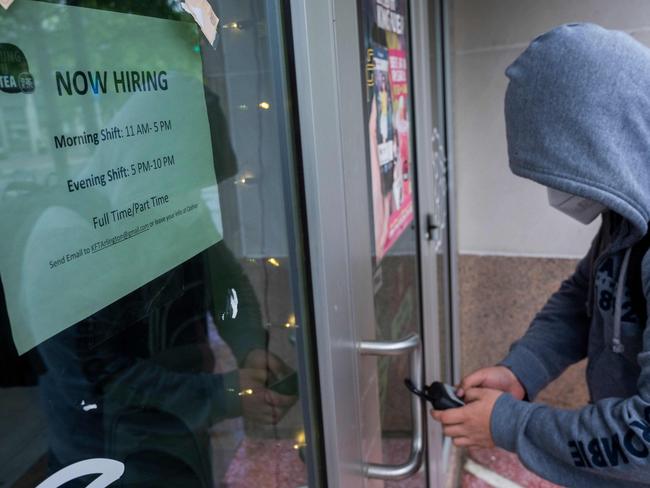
(410, 344)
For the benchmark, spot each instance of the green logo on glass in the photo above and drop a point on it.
(14, 71)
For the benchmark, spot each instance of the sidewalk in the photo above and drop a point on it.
(485, 468)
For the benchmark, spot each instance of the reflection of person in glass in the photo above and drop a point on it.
(135, 382)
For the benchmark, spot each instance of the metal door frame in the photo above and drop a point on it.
(422, 34)
(334, 161)
(328, 128)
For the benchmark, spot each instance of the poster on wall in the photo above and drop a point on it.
(107, 178)
(388, 119)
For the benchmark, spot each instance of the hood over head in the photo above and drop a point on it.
(578, 118)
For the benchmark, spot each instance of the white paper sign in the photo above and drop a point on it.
(138, 194)
(6, 3)
(203, 14)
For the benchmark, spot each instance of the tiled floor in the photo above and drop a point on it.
(275, 464)
(504, 464)
(266, 464)
(471, 481)
(272, 463)
(396, 452)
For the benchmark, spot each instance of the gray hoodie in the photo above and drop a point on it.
(578, 120)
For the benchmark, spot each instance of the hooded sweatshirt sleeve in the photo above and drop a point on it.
(557, 336)
(603, 444)
(577, 120)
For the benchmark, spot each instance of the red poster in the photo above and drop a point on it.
(387, 83)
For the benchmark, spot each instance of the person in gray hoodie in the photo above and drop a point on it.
(578, 122)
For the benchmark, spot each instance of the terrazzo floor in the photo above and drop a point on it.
(504, 464)
(275, 464)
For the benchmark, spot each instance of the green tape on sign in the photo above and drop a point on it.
(106, 169)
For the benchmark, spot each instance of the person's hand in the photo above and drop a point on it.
(495, 377)
(470, 425)
(267, 361)
(259, 404)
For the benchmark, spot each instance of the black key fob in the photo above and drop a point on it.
(440, 395)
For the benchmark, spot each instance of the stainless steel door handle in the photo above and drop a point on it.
(410, 344)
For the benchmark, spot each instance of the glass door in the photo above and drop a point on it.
(365, 98)
(153, 318)
(393, 195)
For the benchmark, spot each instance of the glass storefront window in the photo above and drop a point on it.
(171, 344)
